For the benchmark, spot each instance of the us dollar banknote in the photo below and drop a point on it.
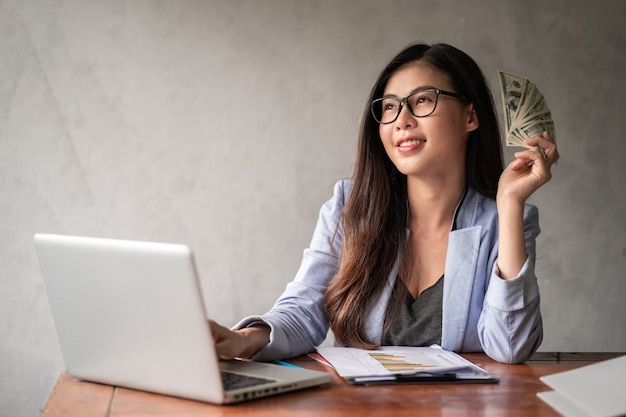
(526, 112)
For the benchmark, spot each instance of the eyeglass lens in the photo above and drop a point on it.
(420, 104)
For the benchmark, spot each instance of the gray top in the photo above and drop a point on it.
(418, 322)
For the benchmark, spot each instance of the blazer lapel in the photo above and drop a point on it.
(461, 260)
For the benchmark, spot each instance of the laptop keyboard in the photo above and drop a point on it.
(236, 381)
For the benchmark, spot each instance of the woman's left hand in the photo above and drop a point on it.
(529, 170)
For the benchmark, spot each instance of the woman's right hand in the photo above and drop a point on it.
(242, 343)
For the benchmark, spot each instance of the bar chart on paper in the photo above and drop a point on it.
(390, 360)
(402, 363)
(399, 363)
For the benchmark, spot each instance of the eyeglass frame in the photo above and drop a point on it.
(404, 101)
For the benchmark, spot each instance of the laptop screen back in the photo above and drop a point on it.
(130, 314)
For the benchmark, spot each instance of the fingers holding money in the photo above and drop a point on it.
(545, 146)
(543, 152)
(528, 123)
(537, 160)
(529, 170)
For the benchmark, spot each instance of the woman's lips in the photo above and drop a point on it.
(409, 144)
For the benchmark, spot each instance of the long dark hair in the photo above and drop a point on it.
(374, 219)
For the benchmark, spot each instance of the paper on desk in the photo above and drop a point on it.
(389, 361)
(593, 390)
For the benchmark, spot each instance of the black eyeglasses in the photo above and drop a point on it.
(421, 103)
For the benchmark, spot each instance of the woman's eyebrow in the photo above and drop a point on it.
(415, 90)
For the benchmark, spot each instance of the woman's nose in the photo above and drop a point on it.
(405, 118)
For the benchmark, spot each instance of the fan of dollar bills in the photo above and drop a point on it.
(526, 113)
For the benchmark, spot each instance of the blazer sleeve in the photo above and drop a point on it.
(298, 320)
(510, 326)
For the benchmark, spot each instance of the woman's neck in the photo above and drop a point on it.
(432, 203)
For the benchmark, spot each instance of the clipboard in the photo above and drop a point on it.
(425, 378)
(391, 365)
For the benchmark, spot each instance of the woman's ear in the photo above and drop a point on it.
(472, 118)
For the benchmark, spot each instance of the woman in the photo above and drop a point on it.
(431, 241)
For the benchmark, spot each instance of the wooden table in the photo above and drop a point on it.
(515, 395)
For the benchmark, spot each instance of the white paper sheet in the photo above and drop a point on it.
(388, 362)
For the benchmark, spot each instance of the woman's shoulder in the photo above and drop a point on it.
(331, 209)
(342, 188)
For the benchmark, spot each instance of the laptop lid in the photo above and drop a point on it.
(131, 314)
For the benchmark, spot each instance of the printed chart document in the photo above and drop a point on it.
(403, 364)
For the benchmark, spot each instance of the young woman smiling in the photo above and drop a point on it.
(430, 241)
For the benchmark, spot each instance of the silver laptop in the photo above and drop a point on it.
(131, 314)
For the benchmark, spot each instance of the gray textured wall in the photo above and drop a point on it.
(224, 124)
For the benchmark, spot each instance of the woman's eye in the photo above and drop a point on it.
(389, 106)
(423, 98)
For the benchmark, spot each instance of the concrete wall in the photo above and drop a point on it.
(224, 124)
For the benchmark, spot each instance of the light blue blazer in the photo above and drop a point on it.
(481, 311)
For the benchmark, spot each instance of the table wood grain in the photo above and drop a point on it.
(514, 395)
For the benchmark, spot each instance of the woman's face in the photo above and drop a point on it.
(431, 145)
